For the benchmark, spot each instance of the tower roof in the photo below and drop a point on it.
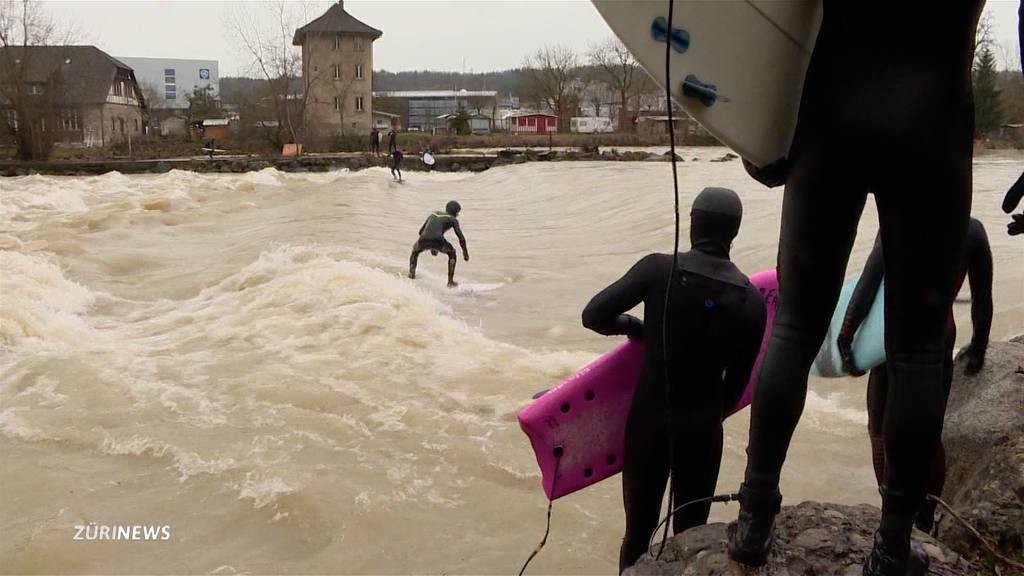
(333, 21)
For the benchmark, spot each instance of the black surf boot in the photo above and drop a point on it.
(751, 537)
(891, 554)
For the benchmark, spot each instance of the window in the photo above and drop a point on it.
(69, 120)
(357, 42)
(170, 85)
(337, 103)
(337, 72)
(359, 103)
(359, 71)
(121, 121)
(35, 89)
(12, 119)
(136, 124)
(113, 125)
(118, 88)
(337, 42)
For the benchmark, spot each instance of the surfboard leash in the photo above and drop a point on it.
(558, 452)
(729, 497)
(671, 273)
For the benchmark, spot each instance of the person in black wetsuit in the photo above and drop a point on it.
(432, 238)
(977, 266)
(1016, 192)
(886, 108)
(716, 321)
(396, 164)
(392, 141)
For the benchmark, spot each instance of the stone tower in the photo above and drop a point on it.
(337, 70)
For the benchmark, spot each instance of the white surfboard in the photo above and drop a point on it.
(477, 288)
(742, 62)
(428, 159)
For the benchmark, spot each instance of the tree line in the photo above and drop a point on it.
(604, 80)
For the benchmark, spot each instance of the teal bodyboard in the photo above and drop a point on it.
(868, 342)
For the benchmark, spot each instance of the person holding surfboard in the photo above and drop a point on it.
(716, 321)
(432, 238)
(977, 266)
(893, 91)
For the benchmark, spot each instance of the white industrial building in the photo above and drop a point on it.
(173, 79)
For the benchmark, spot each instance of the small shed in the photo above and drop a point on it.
(386, 120)
(531, 122)
(215, 128)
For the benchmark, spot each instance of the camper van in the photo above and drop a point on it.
(590, 124)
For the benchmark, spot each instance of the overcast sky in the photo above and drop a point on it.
(418, 35)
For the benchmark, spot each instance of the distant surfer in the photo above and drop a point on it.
(375, 142)
(977, 266)
(716, 323)
(427, 157)
(432, 238)
(392, 141)
(911, 146)
(396, 165)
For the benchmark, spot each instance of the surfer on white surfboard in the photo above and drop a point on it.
(432, 238)
(717, 320)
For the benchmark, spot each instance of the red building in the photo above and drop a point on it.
(531, 123)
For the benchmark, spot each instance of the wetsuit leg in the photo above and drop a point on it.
(820, 211)
(452, 260)
(414, 257)
(644, 474)
(697, 458)
(932, 186)
(937, 474)
(878, 385)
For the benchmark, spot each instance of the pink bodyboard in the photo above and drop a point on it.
(583, 419)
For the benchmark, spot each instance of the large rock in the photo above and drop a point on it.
(812, 539)
(984, 440)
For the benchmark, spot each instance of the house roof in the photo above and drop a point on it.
(88, 71)
(434, 93)
(525, 114)
(335, 20)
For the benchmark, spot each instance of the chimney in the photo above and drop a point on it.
(341, 4)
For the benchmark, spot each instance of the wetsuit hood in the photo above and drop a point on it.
(715, 220)
(453, 208)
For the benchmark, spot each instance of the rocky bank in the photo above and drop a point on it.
(984, 439)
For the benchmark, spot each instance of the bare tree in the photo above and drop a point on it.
(553, 79)
(272, 56)
(615, 66)
(31, 81)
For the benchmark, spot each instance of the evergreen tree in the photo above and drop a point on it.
(987, 108)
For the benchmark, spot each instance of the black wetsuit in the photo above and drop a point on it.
(396, 163)
(977, 266)
(432, 238)
(392, 145)
(886, 108)
(716, 321)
